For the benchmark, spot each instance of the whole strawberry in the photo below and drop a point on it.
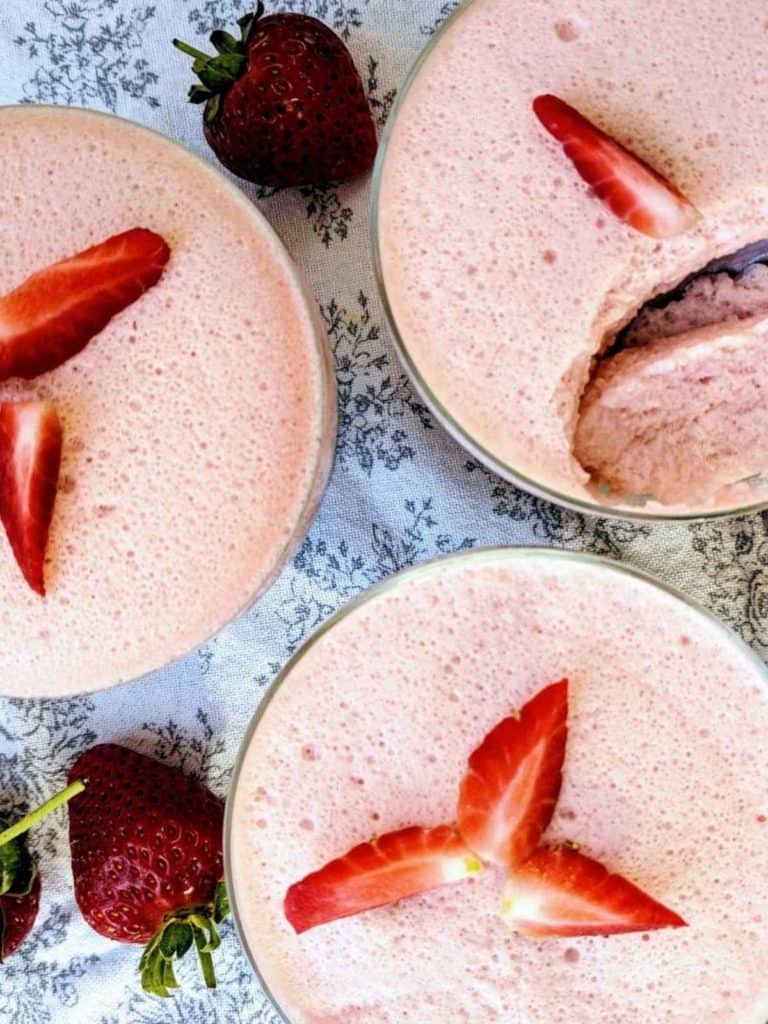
(284, 104)
(19, 877)
(146, 845)
(19, 894)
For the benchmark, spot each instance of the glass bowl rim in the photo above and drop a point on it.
(327, 397)
(441, 413)
(403, 576)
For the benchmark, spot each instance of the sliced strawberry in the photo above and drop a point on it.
(635, 192)
(562, 892)
(383, 871)
(30, 454)
(52, 315)
(508, 796)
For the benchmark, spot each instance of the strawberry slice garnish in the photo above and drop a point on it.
(508, 796)
(30, 455)
(562, 892)
(52, 315)
(383, 871)
(635, 192)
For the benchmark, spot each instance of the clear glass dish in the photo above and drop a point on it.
(326, 405)
(397, 580)
(444, 416)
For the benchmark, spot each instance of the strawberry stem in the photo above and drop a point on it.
(191, 51)
(43, 811)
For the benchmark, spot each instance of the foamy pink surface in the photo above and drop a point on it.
(193, 424)
(504, 274)
(371, 729)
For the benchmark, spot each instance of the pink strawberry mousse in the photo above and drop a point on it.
(664, 781)
(198, 425)
(505, 275)
(679, 418)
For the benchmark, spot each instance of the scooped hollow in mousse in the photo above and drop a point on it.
(681, 419)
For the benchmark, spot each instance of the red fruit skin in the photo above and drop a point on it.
(385, 870)
(574, 895)
(20, 913)
(30, 457)
(145, 840)
(53, 315)
(508, 795)
(299, 114)
(635, 192)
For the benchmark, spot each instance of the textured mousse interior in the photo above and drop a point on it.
(672, 410)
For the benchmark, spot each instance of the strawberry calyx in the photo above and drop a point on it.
(218, 73)
(193, 926)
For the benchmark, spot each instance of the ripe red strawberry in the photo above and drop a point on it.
(30, 455)
(508, 796)
(19, 878)
(19, 894)
(285, 104)
(383, 871)
(52, 315)
(562, 892)
(635, 192)
(146, 845)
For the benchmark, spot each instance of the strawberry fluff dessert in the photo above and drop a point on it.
(166, 402)
(514, 786)
(559, 187)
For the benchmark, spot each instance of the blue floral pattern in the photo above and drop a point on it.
(377, 406)
(41, 981)
(87, 53)
(401, 492)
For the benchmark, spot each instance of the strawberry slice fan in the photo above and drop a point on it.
(45, 321)
(506, 802)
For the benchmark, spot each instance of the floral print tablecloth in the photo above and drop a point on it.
(401, 492)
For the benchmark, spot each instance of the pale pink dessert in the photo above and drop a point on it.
(679, 418)
(370, 730)
(505, 276)
(197, 425)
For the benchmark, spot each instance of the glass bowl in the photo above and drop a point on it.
(636, 511)
(319, 453)
(237, 798)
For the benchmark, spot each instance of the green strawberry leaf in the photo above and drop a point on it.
(218, 73)
(226, 43)
(206, 960)
(248, 22)
(193, 926)
(176, 939)
(25, 879)
(10, 866)
(199, 94)
(212, 108)
(221, 903)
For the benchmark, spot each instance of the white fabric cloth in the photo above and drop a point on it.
(401, 492)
